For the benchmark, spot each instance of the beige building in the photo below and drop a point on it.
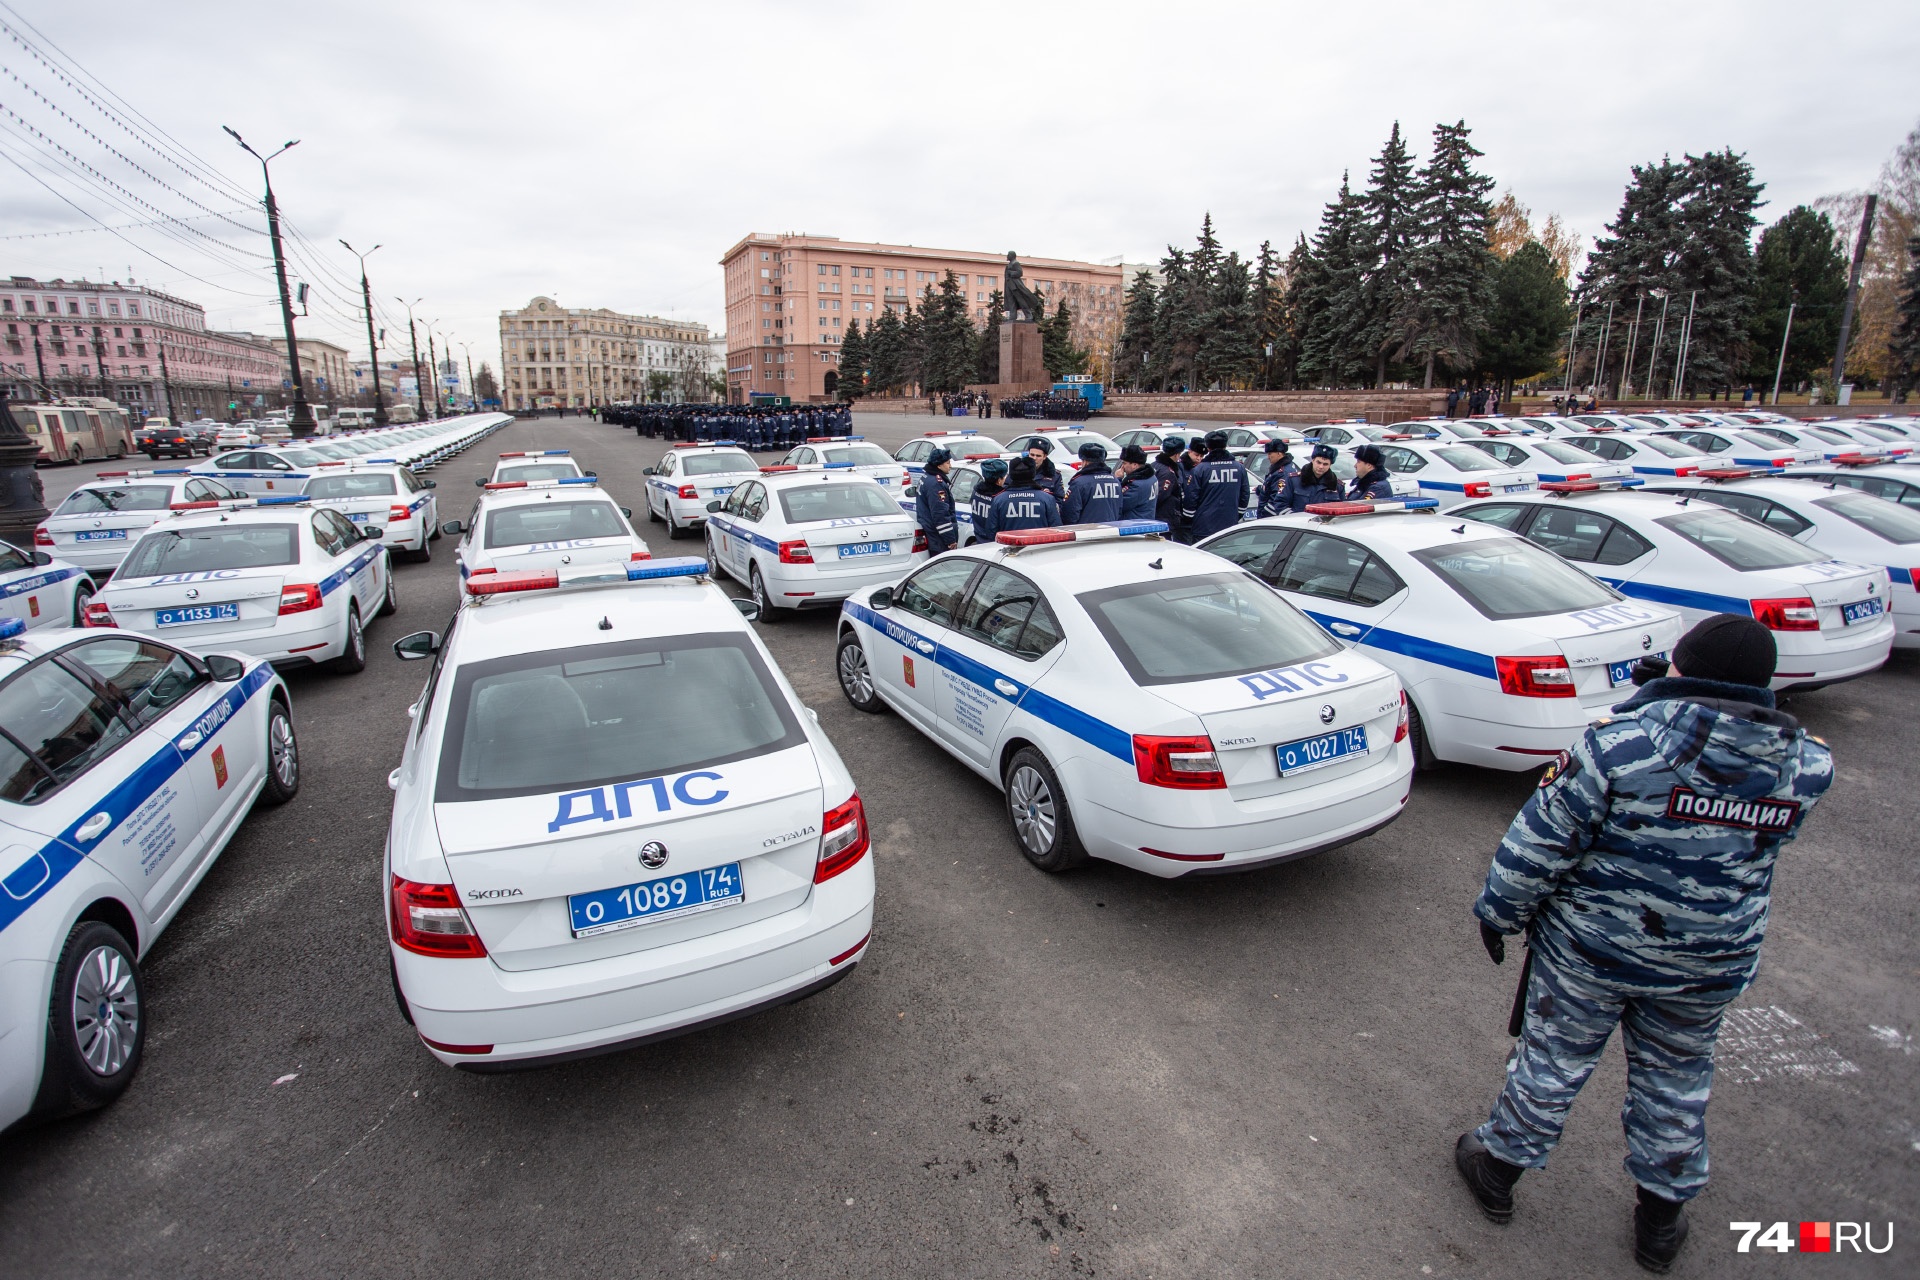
(573, 357)
(324, 368)
(790, 297)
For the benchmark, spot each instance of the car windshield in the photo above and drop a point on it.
(537, 471)
(1881, 433)
(835, 502)
(1668, 448)
(357, 447)
(1513, 578)
(1561, 452)
(1203, 628)
(716, 464)
(330, 452)
(1465, 429)
(1738, 542)
(352, 484)
(139, 497)
(870, 455)
(1888, 520)
(300, 457)
(553, 522)
(211, 548)
(585, 717)
(1466, 458)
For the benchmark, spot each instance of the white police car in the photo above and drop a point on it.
(1506, 651)
(680, 485)
(804, 538)
(1828, 616)
(538, 464)
(381, 496)
(1829, 443)
(959, 443)
(261, 472)
(1065, 444)
(125, 768)
(1551, 459)
(1462, 429)
(273, 578)
(1648, 455)
(1451, 472)
(1740, 448)
(853, 453)
(96, 523)
(1135, 699)
(614, 821)
(40, 590)
(544, 524)
(1150, 435)
(1896, 482)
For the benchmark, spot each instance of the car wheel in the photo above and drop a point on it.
(82, 594)
(651, 513)
(424, 552)
(283, 756)
(390, 602)
(95, 1023)
(1423, 757)
(713, 559)
(78, 456)
(354, 657)
(856, 676)
(1037, 807)
(757, 588)
(675, 529)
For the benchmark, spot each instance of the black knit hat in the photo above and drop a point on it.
(1020, 471)
(1729, 648)
(1369, 454)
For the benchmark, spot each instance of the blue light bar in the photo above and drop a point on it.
(1137, 528)
(676, 567)
(389, 461)
(853, 437)
(551, 453)
(11, 627)
(1627, 482)
(283, 500)
(577, 480)
(835, 466)
(173, 471)
(1419, 504)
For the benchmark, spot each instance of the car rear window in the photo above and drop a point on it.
(203, 550)
(716, 464)
(553, 522)
(373, 484)
(538, 471)
(1830, 435)
(598, 714)
(1561, 452)
(1670, 448)
(1203, 628)
(1738, 542)
(868, 455)
(1513, 578)
(1466, 458)
(139, 497)
(835, 502)
(1888, 520)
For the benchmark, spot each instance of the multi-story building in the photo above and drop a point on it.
(574, 357)
(324, 368)
(397, 382)
(82, 338)
(790, 297)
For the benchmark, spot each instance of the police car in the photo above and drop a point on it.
(1462, 429)
(680, 485)
(1452, 472)
(805, 537)
(853, 453)
(1825, 439)
(1136, 700)
(1828, 616)
(540, 464)
(1506, 651)
(261, 472)
(1066, 445)
(128, 765)
(41, 591)
(1896, 482)
(1150, 435)
(1551, 459)
(959, 443)
(273, 578)
(1258, 465)
(1648, 455)
(97, 522)
(543, 524)
(614, 821)
(382, 496)
(1740, 448)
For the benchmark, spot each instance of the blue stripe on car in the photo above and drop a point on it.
(1444, 655)
(20, 586)
(339, 577)
(1703, 600)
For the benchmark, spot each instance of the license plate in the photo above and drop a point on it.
(1312, 753)
(101, 535)
(606, 910)
(1619, 673)
(853, 550)
(1860, 611)
(724, 490)
(196, 613)
(1515, 488)
(360, 517)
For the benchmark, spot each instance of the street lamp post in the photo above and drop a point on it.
(473, 388)
(166, 385)
(413, 336)
(22, 507)
(373, 347)
(300, 419)
(433, 366)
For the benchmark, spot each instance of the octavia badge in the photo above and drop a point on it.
(653, 855)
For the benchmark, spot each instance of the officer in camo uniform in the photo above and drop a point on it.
(1641, 871)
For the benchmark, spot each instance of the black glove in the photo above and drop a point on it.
(1495, 943)
(1649, 669)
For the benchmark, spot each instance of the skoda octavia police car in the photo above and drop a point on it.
(273, 578)
(1648, 455)
(1452, 472)
(125, 768)
(960, 444)
(544, 524)
(807, 537)
(614, 821)
(97, 522)
(853, 453)
(261, 472)
(1136, 700)
(1551, 459)
(1506, 651)
(382, 497)
(40, 590)
(680, 485)
(1828, 616)
(541, 464)
(1894, 481)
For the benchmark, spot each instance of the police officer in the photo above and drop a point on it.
(1173, 482)
(1045, 474)
(993, 476)
(1216, 491)
(1641, 871)
(1318, 482)
(933, 503)
(1370, 477)
(1139, 485)
(1024, 504)
(1094, 493)
(1280, 469)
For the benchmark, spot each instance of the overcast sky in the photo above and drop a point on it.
(607, 153)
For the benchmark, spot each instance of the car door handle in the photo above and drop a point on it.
(393, 780)
(93, 827)
(189, 741)
(1007, 687)
(1346, 629)
(925, 646)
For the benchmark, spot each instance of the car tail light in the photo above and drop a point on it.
(688, 492)
(397, 512)
(1787, 615)
(97, 615)
(1684, 471)
(795, 553)
(919, 540)
(299, 599)
(641, 555)
(41, 538)
(1400, 725)
(843, 839)
(1478, 489)
(1535, 677)
(1185, 764)
(427, 920)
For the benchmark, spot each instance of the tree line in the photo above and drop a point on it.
(936, 349)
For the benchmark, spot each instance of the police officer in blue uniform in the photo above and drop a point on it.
(933, 503)
(1370, 478)
(1094, 493)
(1216, 491)
(993, 476)
(1280, 469)
(1641, 871)
(1023, 504)
(1139, 485)
(1045, 474)
(1173, 486)
(1317, 482)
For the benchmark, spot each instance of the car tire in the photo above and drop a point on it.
(82, 594)
(1037, 810)
(354, 656)
(652, 514)
(856, 675)
(675, 530)
(399, 997)
(78, 455)
(96, 1025)
(714, 567)
(1423, 757)
(283, 755)
(757, 588)
(422, 553)
(390, 602)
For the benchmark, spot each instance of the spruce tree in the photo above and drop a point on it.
(1269, 309)
(853, 363)
(1716, 261)
(1173, 322)
(1453, 267)
(1332, 308)
(947, 339)
(1799, 262)
(987, 363)
(886, 352)
(1527, 316)
(1136, 333)
(1225, 354)
(1291, 325)
(1904, 348)
(1056, 344)
(1390, 232)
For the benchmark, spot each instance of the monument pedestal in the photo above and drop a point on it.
(1022, 355)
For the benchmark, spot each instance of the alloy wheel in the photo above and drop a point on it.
(855, 676)
(106, 1011)
(1031, 802)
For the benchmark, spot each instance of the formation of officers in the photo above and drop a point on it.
(750, 426)
(1048, 405)
(1194, 486)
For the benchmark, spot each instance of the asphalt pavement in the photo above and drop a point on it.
(1100, 1074)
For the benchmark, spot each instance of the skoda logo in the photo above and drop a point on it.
(653, 855)
(193, 593)
(1872, 587)
(1646, 642)
(566, 559)
(1327, 713)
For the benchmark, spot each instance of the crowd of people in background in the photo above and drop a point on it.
(749, 426)
(1047, 405)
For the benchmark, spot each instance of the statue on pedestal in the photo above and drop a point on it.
(1022, 303)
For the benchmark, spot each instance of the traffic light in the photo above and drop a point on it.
(233, 404)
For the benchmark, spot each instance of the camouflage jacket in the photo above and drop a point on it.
(1646, 855)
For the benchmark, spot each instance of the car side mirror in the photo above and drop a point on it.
(479, 482)
(627, 512)
(453, 527)
(418, 645)
(429, 484)
(41, 557)
(591, 475)
(372, 533)
(715, 505)
(912, 490)
(224, 667)
(748, 609)
(881, 599)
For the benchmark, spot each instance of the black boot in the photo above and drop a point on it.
(1659, 1229)
(1489, 1177)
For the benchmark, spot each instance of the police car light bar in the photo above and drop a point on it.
(677, 567)
(1738, 473)
(831, 439)
(1590, 486)
(538, 453)
(391, 462)
(523, 580)
(975, 457)
(1097, 532)
(505, 484)
(1257, 422)
(1328, 510)
(1855, 460)
(1342, 422)
(11, 627)
(283, 500)
(1181, 425)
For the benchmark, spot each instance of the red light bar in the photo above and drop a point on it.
(202, 505)
(508, 484)
(520, 454)
(820, 439)
(1340, 509)
(1725, 473)
(975, 457)
(782, 467)
(1032, 537)
(686, 444)
(524, 580)
(1399, 437)
(102, 475)
(1855, 460)
(931, 434)
(641, 555)
(1570, 486)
